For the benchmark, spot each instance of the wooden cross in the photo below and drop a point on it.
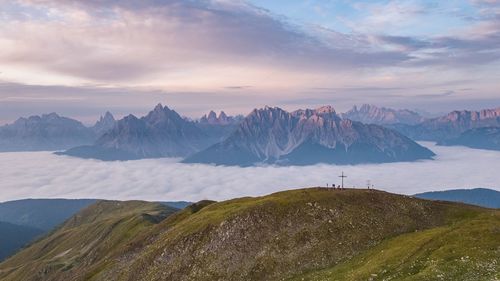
(342, 176)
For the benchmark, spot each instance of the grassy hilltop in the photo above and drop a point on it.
(307, 234)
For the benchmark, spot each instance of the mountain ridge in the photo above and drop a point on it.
(160, 133)
(274, 136)
(50, 132)
(482, 138)
(451, 125)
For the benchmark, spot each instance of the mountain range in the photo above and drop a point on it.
(309, 137)
(50, 132)
(274, 136)
(450, 126)
(304, 234)
(269, 135)
(161, 133)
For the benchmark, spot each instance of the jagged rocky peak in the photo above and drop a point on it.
(212, 119)
(325, 109)
(321, 113)
(267, 114)
(104, 124)
(107, 117)
(50, 116)
(223, 117)
(212, 115)
(160, 113)
(472, 115)
(489, 113)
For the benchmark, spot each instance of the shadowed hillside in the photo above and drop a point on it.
(85, 242)
(14, 237)
(275, 237)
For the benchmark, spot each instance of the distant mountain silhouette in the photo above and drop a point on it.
(451, 125)
(478, 196)
(50, 132)
(483, 138)
(223, 120)
(275, 136)
(370, 114)
(45, 132)
(218, 128)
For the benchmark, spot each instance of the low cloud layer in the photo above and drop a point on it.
(44, 175)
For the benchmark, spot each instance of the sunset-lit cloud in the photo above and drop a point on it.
(198, 46)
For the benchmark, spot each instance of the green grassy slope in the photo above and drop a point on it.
(467, 250)
(82, 245)
(313, 233)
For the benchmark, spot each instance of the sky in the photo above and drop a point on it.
(81, 58)
(45, 175)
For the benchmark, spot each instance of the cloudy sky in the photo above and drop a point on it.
(80, 58)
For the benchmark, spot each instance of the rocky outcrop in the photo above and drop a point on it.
(104, 124)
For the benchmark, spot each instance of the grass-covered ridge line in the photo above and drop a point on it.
(305, 233)
(314, 227)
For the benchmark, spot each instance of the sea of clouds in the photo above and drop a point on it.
(45, 175)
